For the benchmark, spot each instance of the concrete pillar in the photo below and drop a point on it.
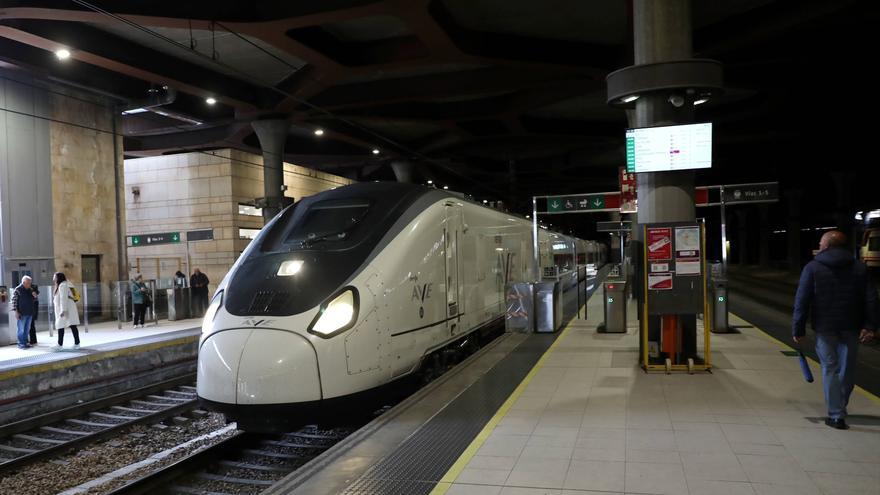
(662, 33)
(742, 225)
(403, 171)
(272, 134)
(764, 236)
(793, 229)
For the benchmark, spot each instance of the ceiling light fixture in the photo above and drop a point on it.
(62, 53)
(210, 100)
(630, 98)
(319, 132)
(446, 187)
(375, 151)
(701, 101)
(134, 111)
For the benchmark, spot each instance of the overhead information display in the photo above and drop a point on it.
(667, 148)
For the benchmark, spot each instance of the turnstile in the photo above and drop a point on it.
(718, 305)
(548, 306)
(614, 304)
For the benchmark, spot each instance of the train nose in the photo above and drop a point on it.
(258, 366)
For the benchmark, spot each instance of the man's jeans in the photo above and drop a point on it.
(24, 328)
(837, 353)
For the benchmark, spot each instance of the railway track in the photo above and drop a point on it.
(242, 464)
(49, 435)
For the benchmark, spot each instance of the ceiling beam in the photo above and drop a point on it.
(235, 94)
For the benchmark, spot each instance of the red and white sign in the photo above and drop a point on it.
(659, 244)
(627, 191)
(660, 281)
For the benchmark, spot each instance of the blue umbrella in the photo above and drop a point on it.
(805, 366)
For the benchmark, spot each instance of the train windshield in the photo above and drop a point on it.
(329, 220)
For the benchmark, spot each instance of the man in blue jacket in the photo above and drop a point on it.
(837, 294)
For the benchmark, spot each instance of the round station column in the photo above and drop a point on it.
(662, 33)
(272, 134)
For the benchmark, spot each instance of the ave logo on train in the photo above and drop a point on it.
(420, 294)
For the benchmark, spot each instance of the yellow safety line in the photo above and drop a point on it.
(67, 363)
(445, 483)
(785, 346)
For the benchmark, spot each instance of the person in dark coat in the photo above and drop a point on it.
(837, 295)
(23, 305)
(33, 332)
(198, 283)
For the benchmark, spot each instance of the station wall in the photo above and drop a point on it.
(198, 191)
(57, 182)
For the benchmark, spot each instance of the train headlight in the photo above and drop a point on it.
(289, 268)
(212, 311)
(337, 315)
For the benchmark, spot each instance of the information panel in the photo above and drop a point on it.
(667, 148)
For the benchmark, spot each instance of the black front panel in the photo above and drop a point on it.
(332, 233)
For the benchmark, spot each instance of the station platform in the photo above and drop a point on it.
(574, 414)
(41, 379)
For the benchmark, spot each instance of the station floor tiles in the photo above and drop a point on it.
(589, 421)
(101, 336)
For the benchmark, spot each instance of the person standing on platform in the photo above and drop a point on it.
(24, 305)
(33, 333)
(66, 312)
(139, 300)
(179, 280)
(198, 283)
(836, 293)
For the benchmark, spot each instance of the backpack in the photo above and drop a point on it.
(74, 294)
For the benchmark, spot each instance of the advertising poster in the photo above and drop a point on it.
(659, 244)
(687, 251)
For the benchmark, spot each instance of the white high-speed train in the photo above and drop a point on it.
(349, 290)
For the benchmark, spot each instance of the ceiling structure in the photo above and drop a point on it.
(502, 99)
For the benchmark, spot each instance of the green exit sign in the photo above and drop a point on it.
(153, 239)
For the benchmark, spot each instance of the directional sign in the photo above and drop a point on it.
(751, 193)
(200, 235)
(583, 202)
(625, 226)
(152, 239)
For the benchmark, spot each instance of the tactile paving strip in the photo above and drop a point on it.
(422, 460)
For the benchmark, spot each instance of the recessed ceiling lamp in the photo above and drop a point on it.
(62, 54)
(375, 151)
(319, 132)
(210, 100)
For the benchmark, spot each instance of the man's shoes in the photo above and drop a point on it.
(76, 346)
(57, 348)
(838, 424)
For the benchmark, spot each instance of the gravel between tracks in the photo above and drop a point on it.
(133, 445)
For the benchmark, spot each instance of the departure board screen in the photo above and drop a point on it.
(663, 149)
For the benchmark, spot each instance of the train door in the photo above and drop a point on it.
(452, 238)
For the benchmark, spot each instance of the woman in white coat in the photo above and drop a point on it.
(66, 313)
